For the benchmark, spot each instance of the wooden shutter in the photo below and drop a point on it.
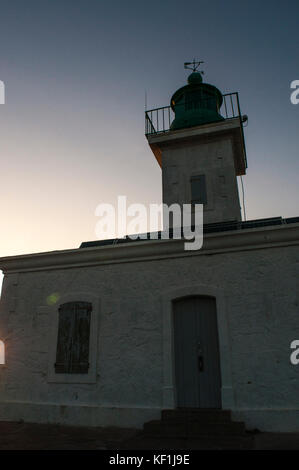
(80, 349)
(73, 338)
(198, 190)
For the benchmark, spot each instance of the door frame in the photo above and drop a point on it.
(169, 383)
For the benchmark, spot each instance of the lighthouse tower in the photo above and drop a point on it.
(198, 142)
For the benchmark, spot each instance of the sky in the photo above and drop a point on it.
(72, 126)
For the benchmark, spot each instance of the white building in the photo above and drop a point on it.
(113, 333)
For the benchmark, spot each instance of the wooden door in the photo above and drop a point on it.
(196, 349)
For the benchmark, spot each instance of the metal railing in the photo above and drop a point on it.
(159, 120)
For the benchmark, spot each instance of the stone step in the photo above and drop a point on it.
(192, 429)
(195, 414)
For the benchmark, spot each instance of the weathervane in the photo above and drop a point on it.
(194, 65)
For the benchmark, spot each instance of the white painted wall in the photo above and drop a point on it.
(215, 150)
(215, 160)
(259, 313)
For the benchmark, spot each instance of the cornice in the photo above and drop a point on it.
(148, 250)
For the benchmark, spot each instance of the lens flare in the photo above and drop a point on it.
(53, 298)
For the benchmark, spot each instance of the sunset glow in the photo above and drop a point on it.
(72, 126)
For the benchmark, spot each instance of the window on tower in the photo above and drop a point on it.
(198, 190)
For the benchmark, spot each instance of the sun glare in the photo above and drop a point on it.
(2, 353)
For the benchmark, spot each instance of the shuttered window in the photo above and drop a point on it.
(198, 190)
(72, 355)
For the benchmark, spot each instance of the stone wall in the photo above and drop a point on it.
(259, 313)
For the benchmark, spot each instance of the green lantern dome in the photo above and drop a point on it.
(196, 103)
